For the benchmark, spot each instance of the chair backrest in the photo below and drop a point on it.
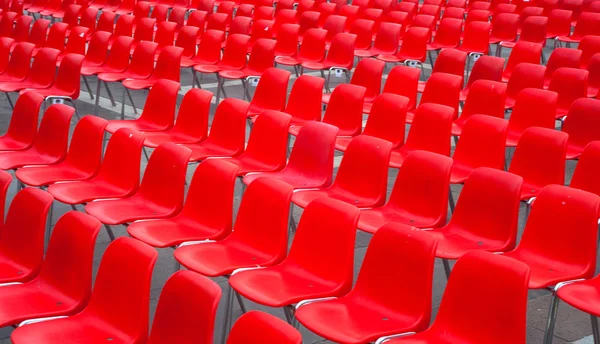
(69, 75)
(21, 31)
(160, 12)
(144, 30)
(451, 61)
(217, 21)
(240, 25)
(559, 22)
(177, 16)
(368, 73)
(38, 32)
(161, 102)
(57, 36)
(534, 30)
(334, 24)
(442, 89)
(124, 25)
(88, 18)
(387, 119)
(121, 293)
(345, 109)
(430, 130)
(287, 40)
(271, 91)
(404, 81)
(43, 68)
(461, 307)
(24, 119)
(209, 49)
(197, 19)
(53, 134)
(7, 24)
(234, 55)
(255, 326)
(588, 23)
(523, 52)
(98, 48)
(363, 29)
(583, 122)
(69, 259)
(533, 107)
(563, 227)
(410, 253)
(228, 128)
(477, 36)
(165, 34)
(118, 58)
(186, 310)
(341, 51)
(561, 57)
(106, 21)
(192, 118)
(570, 84)
(262, 218)
(167, 65)
(262, 55)
(327, 219)
(482, 142)
(313, 45)
(121, 164)
(485, 97)
(505, 26)
(85, 150)
(23, 232)
(268, 140)
(448, 33)
(415, 43)
(585, 176)
(142, 60)
(364, 168)
(540, 157)
(589, 46)
(305, 98)
(525, 75)
(487, 68)
(308, 20)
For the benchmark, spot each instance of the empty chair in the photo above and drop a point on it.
(287, 40)
(50, 144)
(504, 29)
(411, 254)
(570, 84)
(22, 128)
(476, 40)
(118, 307)
(525, 75)
(533, 31)
(587, 24)
(304, 103)
(363, 29)
(447, 35)
(403, 81)
(589, 46)
(81, 162)
(540, 159)
(561, 57)
(581, 123)
(443, 89)
(333, 24)
(523, 52)
(386, 41)
(486, 97)
(368, 73)
(450, 61)
(208, 52)
(533, 108)
(257, 326)
(559, 23)
(312, 49)
(21, 30)
(270, 92)
(340, 57)
(485, 68)
(234, 56)
(413, 49)
(475, 272)
(361, 178)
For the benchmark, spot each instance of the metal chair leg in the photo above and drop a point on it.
(447, 268)
(218, 89)
(109, 230)
(49, 225)
(97, 104)
(9, 100)
(110, 96)
(595, 331)
(553, 310)
(451, 201)
(131, 100)
(227, 314)
(87, 85)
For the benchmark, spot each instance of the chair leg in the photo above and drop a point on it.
(145, 153)
(595, 331)
(241, 302)
(447, 268)
(87, 85)
(131, 100)
(291, 221)
(49, 224)
(74, 107)
(218, 89)
(451, 201)
(194, 80)
(9, 100)
(74, 207)
(97, 104)
(430, 57)
(553, 310)
(227, 314)
(123, 106)
(110, 96)
(327, 82)
(109, 230)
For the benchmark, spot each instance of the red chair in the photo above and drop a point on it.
(257, 326)
(570, 84)
(450, 61)
(227, 134)
(5, 43)
(372, 299)
(50, 144)
(363, 29)
(351, 14)
(143, 31)
(559, 24)
(106, 22)
(118, 176)
(540, 159)
(561, 57)
(118, 306)
(584, 176)
(475, 272)
(476, 223)
(581, 123)
(387, 120)
(208, 53)
(419, 197)
(311, 50)
(270, 92)
(240, 25)
(307, 20)
(588, 23)
(386, 41)
(123, 27)
(234, 57)
(334, 24)
(7, 23)
(82, 161)
(97, 52)
(21, 30)
(158, 113)
(287, 40)
(368, 74)
(481, 145)
(311, 275)
(63, 285)
(424, 21)
(442, 89)
(22, 128)
(593, 69)
(202, 217)
(402, 81)
(533, 31)
(38, 33)
(344, 110)
(22, 243)
(525, 75)
(504, 29)
(533, 108)
(164, 36)
(447, 36)
(361, 178)
(340, 57)
(523, 52)
(589, 46)
(304, 103)
(476, 40)
(160, 12)
(485, 98)
(413, 50)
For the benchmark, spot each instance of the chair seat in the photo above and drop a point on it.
(509, 102)
(139, 84)
(583, 295)
(439, 46)
(112, 77)
(221, 258)
(569, 39)
(11, 271)
(209, 149)
(574, 150)
(15, 159)
(32, 300)
(371, 220)
(508, 44)
(289, 60)
(52, 91)
(139, 124)
(427, 337)
(240, 74)
(46, 175)
(314, 65)
(463, 94)
(512, 137)
(325, 98)
(389, 58)
(8, 143)
(86, 191)
(341, 143)
(124, 210)
(454, 242)
(303, 198)
(173, 231)
(87, 71)
(348, 320)
(81, 328)
(291, 177)
(156, 138)
(208, 68)
(4, 78)
(248, 164)
(545, 273)
(20, 85)
(592, 91)
(281, 285)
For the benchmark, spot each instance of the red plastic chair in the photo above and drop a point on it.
(504, 29)
(351, 14)
(287, 40)
(540, 159)
(581, 123)
(260, 29)
(160, 12)
(344, 110)
(588, 23)
(559, 23)
(307, 20)
(82, 161)
(475, 272)
(158, 113)
(372, 303)
(387, 121)
(7, 23)
(22, 243)
(240, 25)
(368, 74)
(22, 128)
(5, 43)
(450, 61)
(589, 46)
(56, 39)
(374, 14)
(485, 98)
(525, 75)
(160, 194)
(198, 19)
(202, 217)
(442, 89)
(402, 81)
(257, 326)
(97, 51)
(561, 57)
(63, 285)
(570, 84)
(311, 275)
(593, 68)
(270, 92)
(164, 36)
(311, 50)
(49, 146)
(21, 30)
(208, 53)
(476, 40)
(523, 52)
(340, 57)
(447, 35)
(413, 49)
(123, 27)
(584, 176)
(361, 178)
(40, 75)
(533, 108)
(234, 57)
(533, 31)
(144, 31)
(118, 176)
(118, 306)
(304, 103)
(227, 134)
(167, 68)
(419, 197)
(71, 14)
(363, 29)
(481, 145)
(38, 33)
(386, 41)
(334, 24)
